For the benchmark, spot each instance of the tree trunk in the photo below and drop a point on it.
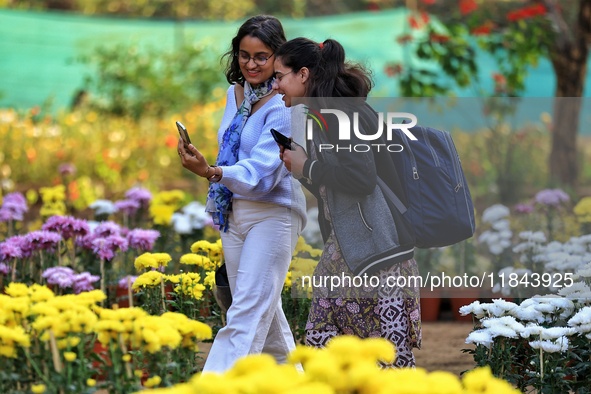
(569, 59)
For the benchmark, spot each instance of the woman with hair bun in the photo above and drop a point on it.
(353, 214)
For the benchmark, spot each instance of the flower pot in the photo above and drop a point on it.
(103, 353)
(122, 297)
(430, 305)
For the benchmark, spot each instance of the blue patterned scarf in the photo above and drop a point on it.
(219, 197)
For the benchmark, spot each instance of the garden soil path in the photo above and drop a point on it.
(441, 349)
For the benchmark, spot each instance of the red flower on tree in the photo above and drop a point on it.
(435, 37)
(417, 23)
(500, 82)
(467, 6)
(403, 39)
(527, 12)
(483, 30)
(393, 69)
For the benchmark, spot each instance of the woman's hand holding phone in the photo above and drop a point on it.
(191, 158)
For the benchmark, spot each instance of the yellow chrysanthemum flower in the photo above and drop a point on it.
(172, 278)
(195, 259)
(69, 356)
(162, 214)
(209, 279)
(216, 253)
(443, 382)
(90, 382)
(202, 247)
(40, 293)
(150, 278)
(15, 289)
(153, 381)
(583, 210)
(38, 388)
(162, 258)
(7, 351)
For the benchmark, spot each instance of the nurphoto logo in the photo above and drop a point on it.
(346, 126)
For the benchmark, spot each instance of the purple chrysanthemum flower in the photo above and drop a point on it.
(142, 239)
(106, 229)
(124, 281)
(10, 250)
(67, 226)
(84, 282)
(552, 197)
(59, 276)
(4, 269)
(85, 241)
(20, 242)
(141, 195)
(523, 208)
(14, 206)
(66, 169)
(41, 240)
(128, 207)
(105, 248)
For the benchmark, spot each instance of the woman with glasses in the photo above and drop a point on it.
(259, 208)
(356, 221)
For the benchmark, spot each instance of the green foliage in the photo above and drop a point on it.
(178, 9)
(450, 52)
(202, 9)
(130, 80)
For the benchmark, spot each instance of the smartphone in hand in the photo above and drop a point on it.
(183, 133)
(281, 139)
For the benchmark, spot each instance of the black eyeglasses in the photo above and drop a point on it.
(259, 60)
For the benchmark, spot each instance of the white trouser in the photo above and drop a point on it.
(258, 246)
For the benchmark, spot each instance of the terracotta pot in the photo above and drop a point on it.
(122, 297)
(100, 350)
(460, 297)
(430, 305)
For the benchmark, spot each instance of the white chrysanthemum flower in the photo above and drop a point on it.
(553, 247)
(499, 307)
(583, 272)
(494, 213)
(551, 305)
(475, 308)
(480, 337)
(529, 314)
(533, 237)
(555, 346)
(585, 239)
(181, 223)
(568, 263)
(199, 218)
(531, 330)
(574, 248)
(557, 332)
(505, 326)
(103, 207)
(581, 320)
(506, 272)
(578, 292)
(502, 226)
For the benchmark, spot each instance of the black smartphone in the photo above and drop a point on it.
(281, 139)
(183, 133)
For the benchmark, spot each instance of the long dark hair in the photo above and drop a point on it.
(330, 74)
(266, 28)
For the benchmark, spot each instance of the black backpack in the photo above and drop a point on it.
(439, 206)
